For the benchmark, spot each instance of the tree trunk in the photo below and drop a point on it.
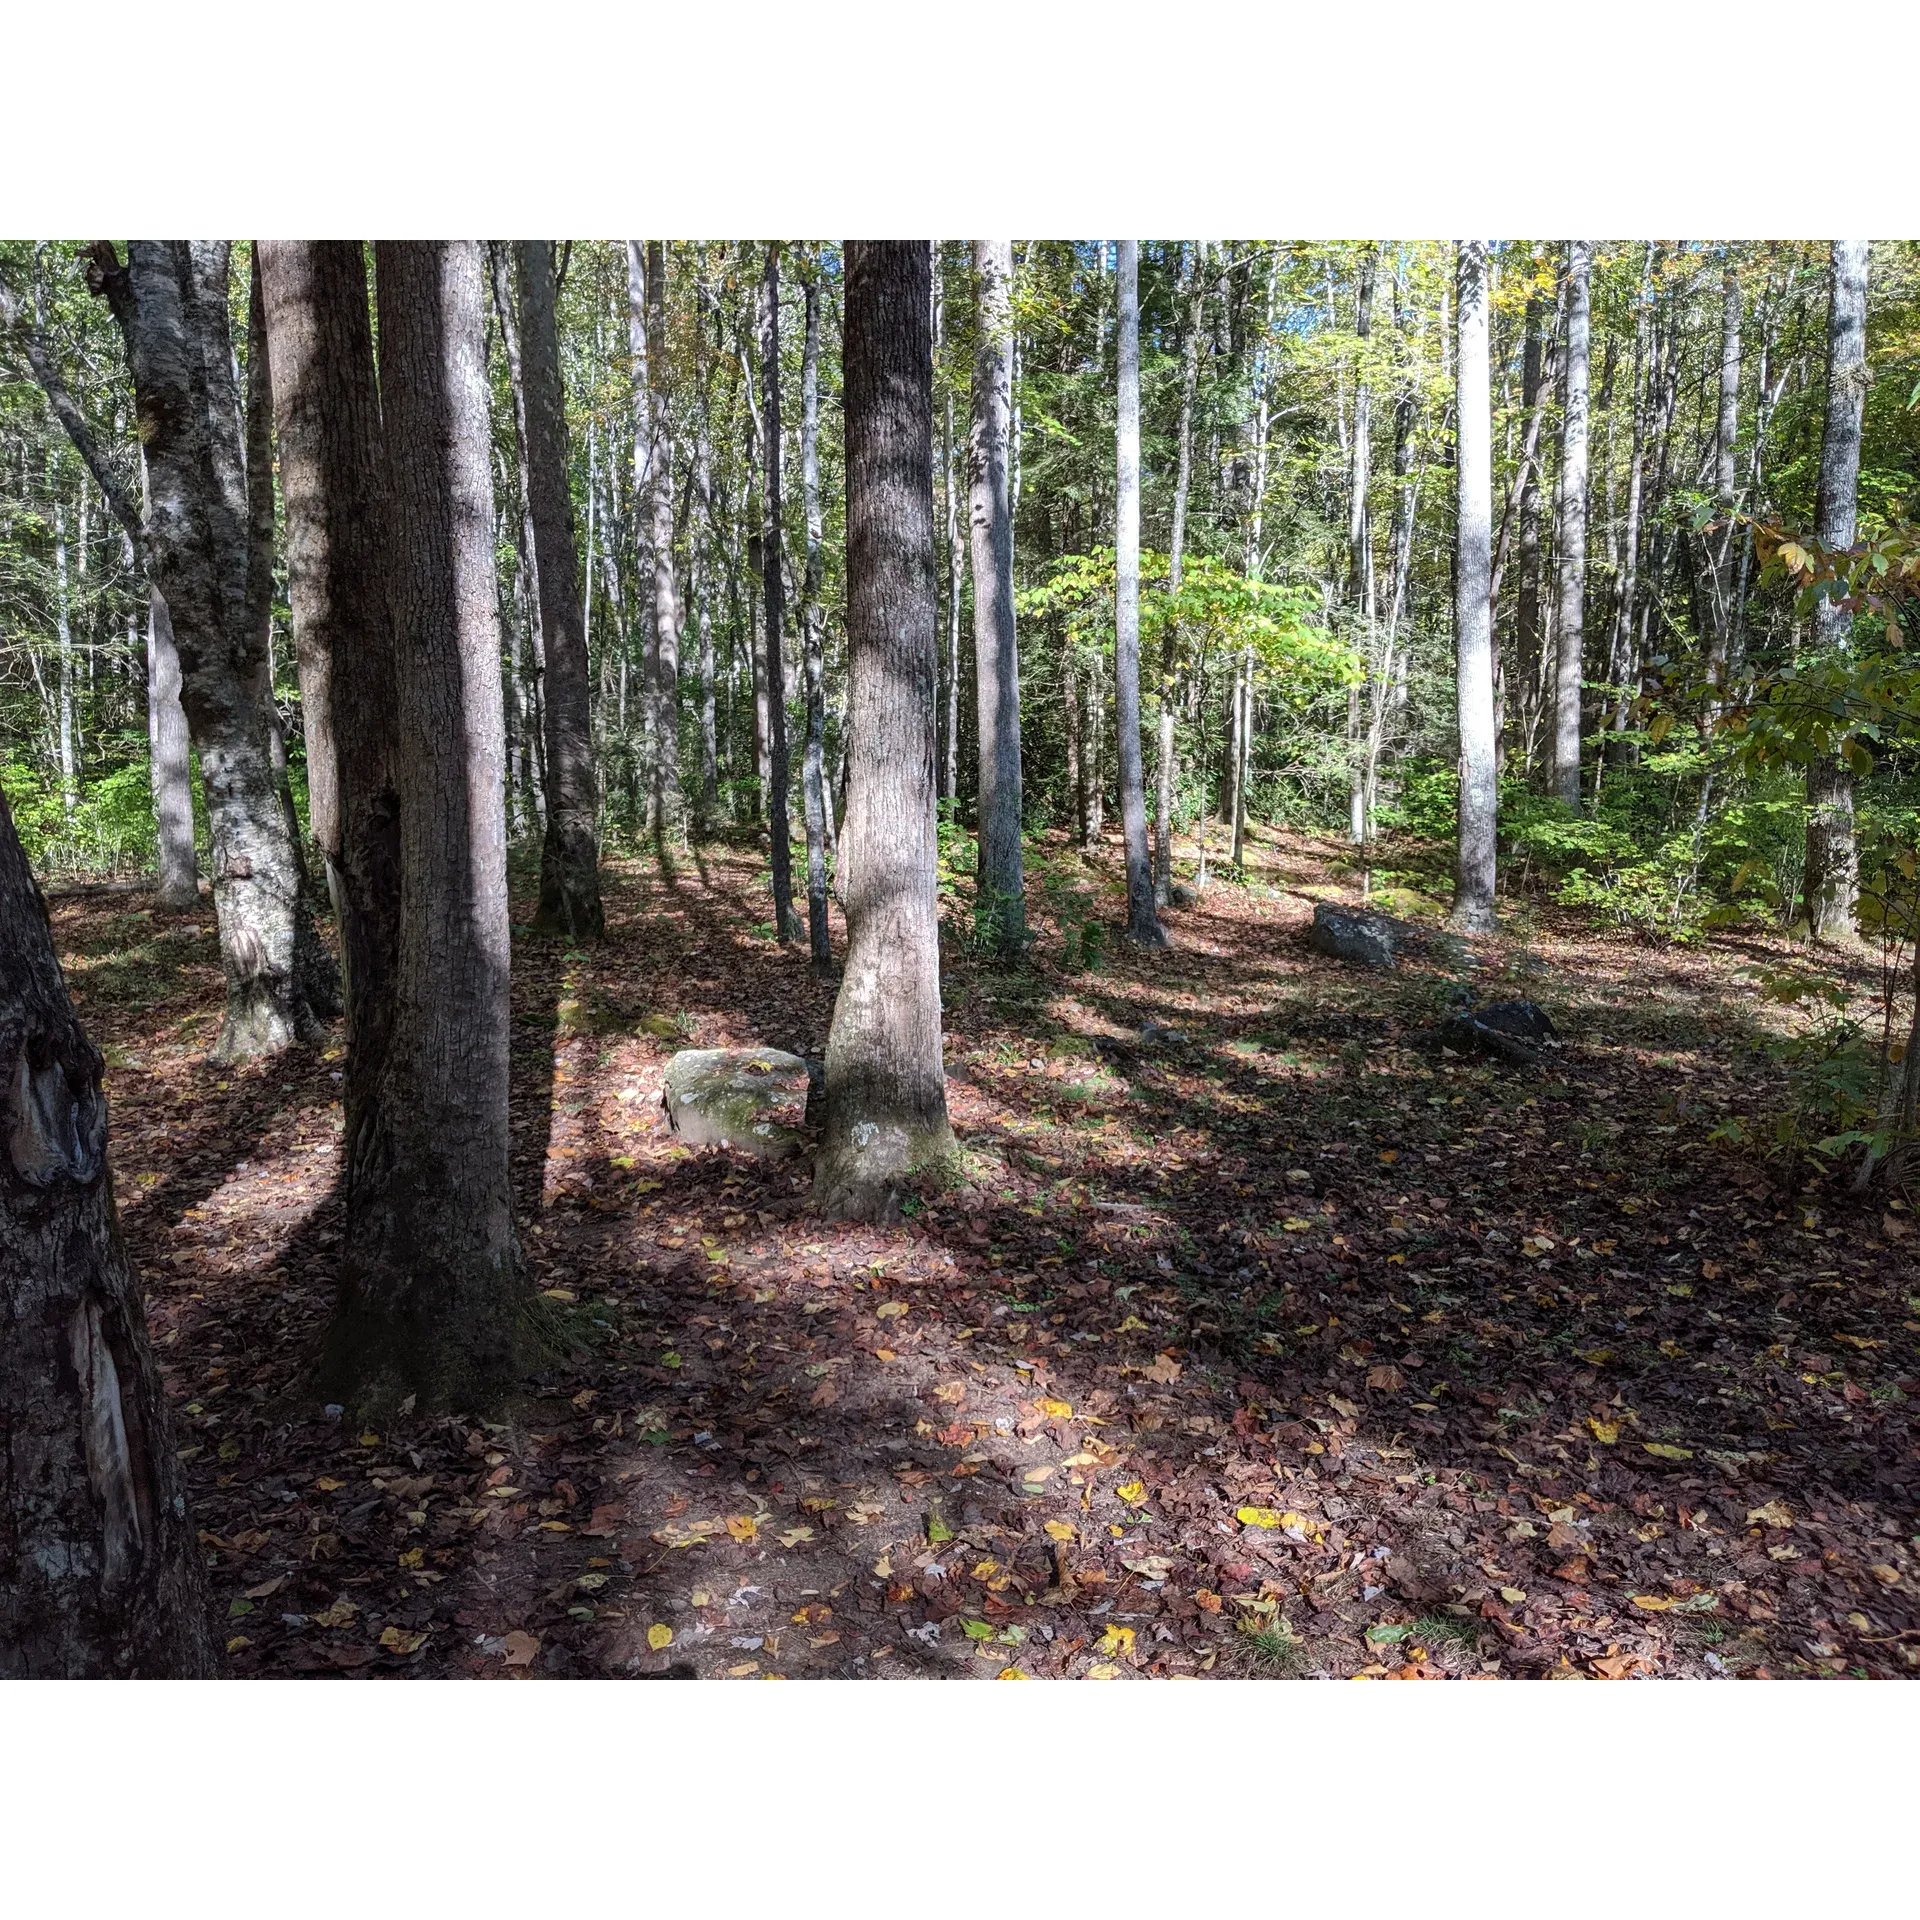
(570, 851)
(1000, 912)
(1526, 620)
(956, 562)
(1832, 882)
(1724, 546)
(812, 629)
(170, 300)
(886, 1091)
(780, 847)
(1572, 531)
(1360, 549)
(100, 1574)
(703, 546)
(1472, 612)
(434, 1301)
(333, 480)
(669, 802)
(1143, 923)
(177, 884)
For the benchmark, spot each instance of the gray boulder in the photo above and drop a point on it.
(750, 1098)
(1515, 1030)
(1345, 933)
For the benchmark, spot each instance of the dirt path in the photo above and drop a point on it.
(1260, 1338)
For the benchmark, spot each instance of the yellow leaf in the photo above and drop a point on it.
(1116, 1639)
(1106, 1670)
(1055, 1409)
(398, 1640)
(1134, 1493)
(1036, 1476)
(1513, 1595)
(1345, 1408)
(1660, 726)
(336, 1615)
(1651, 1602)
(745, 1527)
(1607, 1432)
(794, 1535)
(1773, 1514)
(1294, 1224)
(659, 1636)
(1081, 1460)
(743, 1669)
(1131, 1324)
(1059, 1530)
(327, 1484)
(1012, 1673)
(413, 1557)
(891, 1310)
(238, 1641)
(1258, 1516)
(1661, 1451)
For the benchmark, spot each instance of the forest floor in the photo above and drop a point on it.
(1260, 1338)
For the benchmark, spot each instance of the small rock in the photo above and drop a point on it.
(750, 1098)
(1515, 1030)
(1366, 939)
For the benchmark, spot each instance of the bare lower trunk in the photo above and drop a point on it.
(100, 1575)
(1000, 903)
(570, 850)
(434, 1301)
(177, 885)
(886, 1115)
(1143, 923)
(819, 934)
(170, 300)
(1472, 615)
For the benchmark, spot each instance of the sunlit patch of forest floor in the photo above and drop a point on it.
(1258, 1339)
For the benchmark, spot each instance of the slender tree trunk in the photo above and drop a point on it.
(1164, 772)
(1724, 544)
(63, 625)
(1572, 532)
(1000, 906)
(812, 629)
(169, 748)
(669, 804)
(956, 562)
(886, 1090)
(1832, 883)
(1143, 923)
(1093, 729)
(1360, 549)
(434, 1301)
(1472, 612)
(703, 553)
(1527, 622)
(786, 925)
(570, 850)
(333, 479)
(170, 300)
(100, 1575)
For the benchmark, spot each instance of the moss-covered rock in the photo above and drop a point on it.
(751, 1098)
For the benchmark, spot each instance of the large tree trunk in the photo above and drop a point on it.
(1573, 532)
(570, 851)
(333, 480)
(1832, 882)
(1000, 910)
(1472, 610)
(170, 300)
(813, 636)
(779, 836)
(1143, 923)
(100, 1575)
(669, 802)
(886, 1089)
(434, 1300)
(170, 747)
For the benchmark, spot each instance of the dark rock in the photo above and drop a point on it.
(1366, 939)
(1179, 894)
(751, 1098)
(1514, 1030)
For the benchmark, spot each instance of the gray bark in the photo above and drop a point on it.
(100, 1573)
(1573, 530)
(1724, 544)
(669, 804)
(1143, 923)
(1527, 620)
(434, 1301)
(1832, 882)
(886, 1117)
(1000, 912)
(813, 635)
(1472, 612)
(169, 766)
(779, 835)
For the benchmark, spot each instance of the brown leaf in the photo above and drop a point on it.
(824, 1395)
(1386, 1379)
(521, 1648)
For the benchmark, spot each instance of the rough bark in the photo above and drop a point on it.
(1832, 872)
(334, 485)
(170, 299)
(434, 1301)
(1472, 611)
(886, 1107)
(1143, 923)
(1573, 530)
(813, 636)
(170, 765)
(100, 1575)
(778, 770)
(1000, 912)
(570, 850)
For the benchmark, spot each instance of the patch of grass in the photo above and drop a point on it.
(1438, 1628)
(1274, 1651)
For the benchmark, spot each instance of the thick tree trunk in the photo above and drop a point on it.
(100, 1575)
(434, 1301)
(334, 483)
(170, 300)
(1832, 882)
(779, 837)
(1472, 612)
(570, 851)
(1000, 910)
(169, 772)
(1143, 923)
(813, 635)
(669, 802)
(1572, 531)
(886, 1089)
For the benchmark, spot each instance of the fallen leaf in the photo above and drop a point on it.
(1344, 1408)
(744, 1527)
(743, 1669)
(1887, 1576)
(1773, 1514)
(951, 1391)
(266, 1588)
(1055, 1409)
(1060, 1530)
(1134, 1493)
(1164, 1371)
(1154, 1567)
(1513, 1595)
(794, 1535)
(1661, 1451)
(824, 1395)
(1607, 1432)
(1209, 1601)
(1386, 1379)
(327, 1484)
(891, 1310)
(1258, 1516)
(1104, 1671)
(977, 1629)
(521, 1648)
(1652, 1602)
(938, 1532)
(1116, 1639)
(1012, 1673)
(1131, 1324)
(659, 1635)
(399, 1640)
(337, 1615)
